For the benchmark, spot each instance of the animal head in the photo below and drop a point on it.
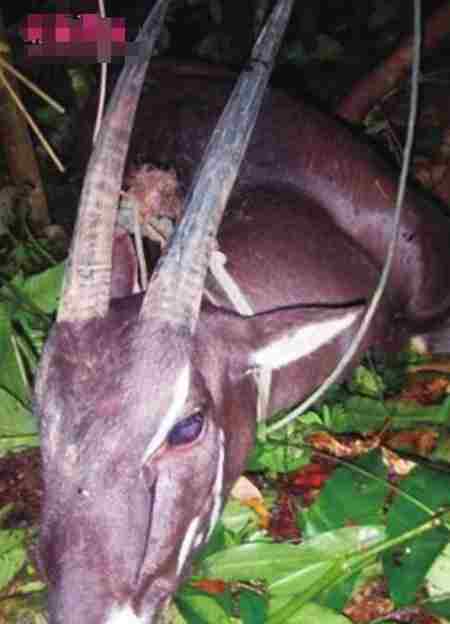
(135, 466)
(138, 459)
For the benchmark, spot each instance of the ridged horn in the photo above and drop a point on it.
(87, 279)
(176, 288)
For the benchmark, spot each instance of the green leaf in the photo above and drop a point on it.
(11, 378)
(15, 418)
(360, 414)
(309, 613)
(277, 457)
(216, 542)
(438, 583)
(252, 607)
(283, 452)
(43, 289)
(12, 555)
(442, 449)
(237, 517)
(357, 414)
(286, 568)
(15, 444)
(440, 607)
(31, 587)
(407, 565)
(367, 382)
(350, 497)
(18, 427)
(198, 607)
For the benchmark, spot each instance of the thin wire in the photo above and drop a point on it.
(379, 291)
(103, 78)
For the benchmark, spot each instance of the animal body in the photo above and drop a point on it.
(148, 413)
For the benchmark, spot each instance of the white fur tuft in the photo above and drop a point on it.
(123, 615)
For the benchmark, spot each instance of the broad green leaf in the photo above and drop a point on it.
(12, 555)
(287, 568)
(438, 578)
(356, 414)
(217, 542)
(43, 288)
(11, 378)
(363, 415)
(407, 565)
(18, 427)
(15, 418)
(310, 613)
(198, 607)
(439, 607)
(350, 497)
(36, 298)
(252, 607)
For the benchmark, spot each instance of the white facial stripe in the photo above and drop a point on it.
(198, 540)
(291, 347)
(191, 539)
(187, 543)
(54, 432)
(123, 615)
(180, 395)
(217, 487)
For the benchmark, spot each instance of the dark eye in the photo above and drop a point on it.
(187, 430)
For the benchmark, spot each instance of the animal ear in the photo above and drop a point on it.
(124, 278)
(286, 335)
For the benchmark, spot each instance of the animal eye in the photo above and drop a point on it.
(187, 430)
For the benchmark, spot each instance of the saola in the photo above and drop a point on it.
(148, 403)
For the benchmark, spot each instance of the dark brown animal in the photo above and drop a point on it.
(148, 406)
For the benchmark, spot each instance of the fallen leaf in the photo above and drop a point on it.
(370, 602)
(211, 586)
(420, 441)
(248, 494)
(283, 524)
(425, 391)
(244, 490)
(351, 447)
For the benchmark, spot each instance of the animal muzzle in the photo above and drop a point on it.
(96, 605)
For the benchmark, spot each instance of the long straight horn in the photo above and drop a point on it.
(87, 280)
(175, 291)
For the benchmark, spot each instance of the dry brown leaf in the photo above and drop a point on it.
(348, 448)
(211, 586)
(420, 441)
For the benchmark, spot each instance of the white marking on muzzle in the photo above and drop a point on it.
(180, 394)
(123, 615)
(187, 543)
(217, 487)
(293, 346)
